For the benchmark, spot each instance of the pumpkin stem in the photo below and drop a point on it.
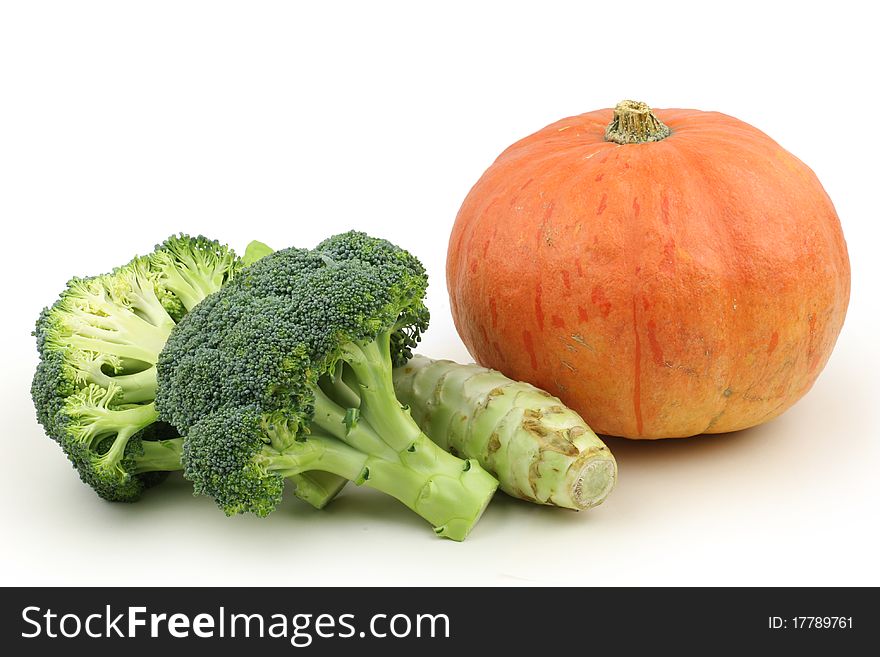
(635, 123)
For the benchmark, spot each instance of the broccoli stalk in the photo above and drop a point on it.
(288, 370)
(448, 492)
(158, 456)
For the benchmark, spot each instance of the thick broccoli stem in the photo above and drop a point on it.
(336, 401)
(331, 417)
(539, 449)
(451, 502)
(134, 351)
(133, 388)
(317, 488)
(371, 365)
(399, 459)
(317, 452)
(342, 394)
(159, 456)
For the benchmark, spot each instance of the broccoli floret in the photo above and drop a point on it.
(189, 269)
(98, 345)
(287, 369)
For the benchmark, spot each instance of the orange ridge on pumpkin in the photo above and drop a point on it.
(637, 376)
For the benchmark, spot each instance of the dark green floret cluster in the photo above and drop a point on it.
(269, 335)
(287, 370)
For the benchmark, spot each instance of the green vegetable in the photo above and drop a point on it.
(96, 380)
(539, 449)
(287, 369)
(99, 343)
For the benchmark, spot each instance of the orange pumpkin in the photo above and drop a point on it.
(664, 273)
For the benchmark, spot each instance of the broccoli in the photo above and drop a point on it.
(96, 379)
(287, 369)
(98, 345)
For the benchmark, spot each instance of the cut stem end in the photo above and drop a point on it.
(593, 482)
(635, 123)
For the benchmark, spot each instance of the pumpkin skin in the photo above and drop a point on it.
(691, 285)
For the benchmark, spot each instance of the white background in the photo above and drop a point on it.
(121, 123)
